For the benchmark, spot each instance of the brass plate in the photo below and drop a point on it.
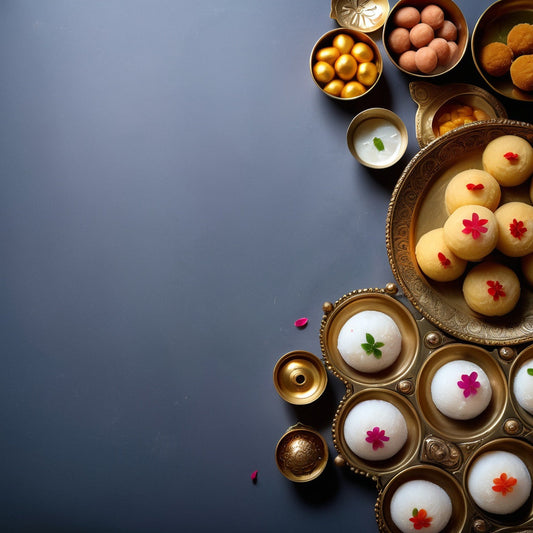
(300, 377)
(417, 206)
(494, 25)
(430, 98)
(363, 15)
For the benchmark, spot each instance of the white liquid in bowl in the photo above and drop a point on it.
(365, 147)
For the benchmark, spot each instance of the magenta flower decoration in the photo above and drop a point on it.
(301, 322)
(377, 437)
(469, 384)
(475, 227)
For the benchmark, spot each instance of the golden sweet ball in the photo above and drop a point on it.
(362, 52)
(343, 42)
(367, 73)
(334, 87)
(353, 89)
(346, 67)
(323, 72)
(329, 54)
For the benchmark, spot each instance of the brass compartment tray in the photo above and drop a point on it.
(437, 448)
(417, 206)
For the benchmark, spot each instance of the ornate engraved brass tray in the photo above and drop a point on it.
(437, 448)
(417, 206)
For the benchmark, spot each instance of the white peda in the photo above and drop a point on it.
(499, 482)
(523, 386)
(370, 341)
(375, 430)
(461, 390)
(420, 505)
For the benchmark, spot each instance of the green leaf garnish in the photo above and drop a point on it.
(415, 512)
(530, 371)
(371, 347)
(378, 143)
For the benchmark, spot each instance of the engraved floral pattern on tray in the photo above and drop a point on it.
(442, 305)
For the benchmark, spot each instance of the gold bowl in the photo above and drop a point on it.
(494, 25)
(326, 42)
(451, 12)
(300, 377)
(373, 158)
(301, 453)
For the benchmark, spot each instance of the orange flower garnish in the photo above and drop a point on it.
(420, 519)
(504, 484)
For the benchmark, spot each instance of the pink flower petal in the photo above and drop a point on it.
(254, 476)
(301, 322)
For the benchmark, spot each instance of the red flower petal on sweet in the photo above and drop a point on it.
(476, 187)
(504, 484)
(517, 228)
(301, 322)
(444, 261)
(475, 227)
(511, 156)
(495, 290)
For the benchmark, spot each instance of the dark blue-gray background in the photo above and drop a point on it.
(175, 192)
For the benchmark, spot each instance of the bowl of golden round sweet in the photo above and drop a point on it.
(442, 108)
(369, 338)
(420, 497)
(301, 453)
(345, 64)
(521, 385)
(461, 391)
(500, 48)
(377, 137)
(363, 15)
(497, 481)
(300, 377)
(425, 39)
(376, 431)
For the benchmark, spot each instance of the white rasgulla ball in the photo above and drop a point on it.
(420, 498)
(487, 492)
(375, 430)
(370, 341)
(523, 386)
(451, 394)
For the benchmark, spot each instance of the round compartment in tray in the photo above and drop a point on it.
(417, 206)
(399, 459)
(523, 451)
(435, 475)
(354, 303)
(461, 430)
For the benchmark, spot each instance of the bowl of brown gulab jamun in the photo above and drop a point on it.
(425, 39)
